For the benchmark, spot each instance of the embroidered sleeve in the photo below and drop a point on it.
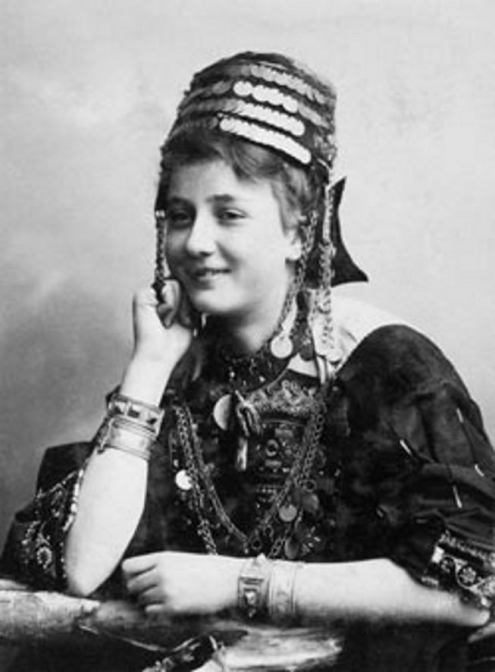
(448, 536)
(428, 464)
(36, 539)
(34, 551)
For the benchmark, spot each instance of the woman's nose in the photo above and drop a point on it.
(201, 239)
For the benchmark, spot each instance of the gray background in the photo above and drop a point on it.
(88, 89)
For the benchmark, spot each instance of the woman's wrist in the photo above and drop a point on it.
(267, 588)
(145, 379)
(130, 426)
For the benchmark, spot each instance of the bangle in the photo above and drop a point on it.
(143, 453)
(137, 412)
(281, 593)
(128, 437)
(130, 426)
(252, 587)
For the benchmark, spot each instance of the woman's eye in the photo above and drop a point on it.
(230, 216)
(178, 219)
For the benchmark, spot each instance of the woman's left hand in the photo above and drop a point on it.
(182, 583)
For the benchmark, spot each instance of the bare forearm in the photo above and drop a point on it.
(376, 589)
(284, 592)
(112, 495)
(110, 505)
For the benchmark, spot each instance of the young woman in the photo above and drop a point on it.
(271, 450)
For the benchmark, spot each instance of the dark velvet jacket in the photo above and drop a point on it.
(403, 469)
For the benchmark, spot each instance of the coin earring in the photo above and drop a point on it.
(281, 345)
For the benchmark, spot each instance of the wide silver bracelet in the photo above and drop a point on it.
(252, 587)
(281, 604)
(129, 437)
(137, 412)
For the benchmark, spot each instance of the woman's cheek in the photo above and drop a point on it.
(173, 252)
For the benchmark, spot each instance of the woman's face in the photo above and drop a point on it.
(226, 242)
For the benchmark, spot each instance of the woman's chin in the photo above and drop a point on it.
(209, 306)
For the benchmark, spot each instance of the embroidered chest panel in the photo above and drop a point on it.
(281, 498)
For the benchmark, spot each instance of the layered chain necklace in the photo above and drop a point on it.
(233, 412)
(283, 509)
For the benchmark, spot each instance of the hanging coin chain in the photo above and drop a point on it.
(327, 346)
(281, 343)
(203, 488)
(161, 270)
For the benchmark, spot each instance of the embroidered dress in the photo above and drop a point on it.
(400, 468)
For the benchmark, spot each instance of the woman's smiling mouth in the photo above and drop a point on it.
(205, 274)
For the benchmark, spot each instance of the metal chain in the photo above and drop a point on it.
(325, 289)
(183, 428)
(160, 262)
(204, 488)
(198, 472)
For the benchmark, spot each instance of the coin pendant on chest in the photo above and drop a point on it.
(291, 548)
(221, 411)
(183, 480)
(287, 513)
(281, 346)
(311, 503)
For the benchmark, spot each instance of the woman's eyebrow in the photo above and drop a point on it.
(222, 198)
(176, 200)
(215, 199)
(228, 199)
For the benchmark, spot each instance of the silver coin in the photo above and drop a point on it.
(221, 411)
(281, 347)
(292, 548)
(287, 513)
(183, 480)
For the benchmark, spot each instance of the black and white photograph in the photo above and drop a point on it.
(247, 336)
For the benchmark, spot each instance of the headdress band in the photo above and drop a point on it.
(265, 98)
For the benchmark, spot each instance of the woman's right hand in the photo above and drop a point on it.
(163, 330)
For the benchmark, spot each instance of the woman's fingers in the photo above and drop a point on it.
(152, 597)
(144, 582)
(174, 305)
(139, 564)
(140, 583)
(145, 297)
(186, 314)
(169, 303)
(155, 609)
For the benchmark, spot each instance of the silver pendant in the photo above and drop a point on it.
(242, 455)
(281, 346)
(287, 513)
(291, 548)
(221, 411)
(183, 480)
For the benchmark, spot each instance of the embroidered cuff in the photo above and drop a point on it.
(457, 566)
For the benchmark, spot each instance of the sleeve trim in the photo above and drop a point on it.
(458, 566)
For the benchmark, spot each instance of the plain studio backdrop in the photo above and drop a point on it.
(90, 88)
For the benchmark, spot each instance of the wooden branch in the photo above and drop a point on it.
(26, 616)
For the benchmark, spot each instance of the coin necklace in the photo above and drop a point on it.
(283, 509)
(258, 369)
